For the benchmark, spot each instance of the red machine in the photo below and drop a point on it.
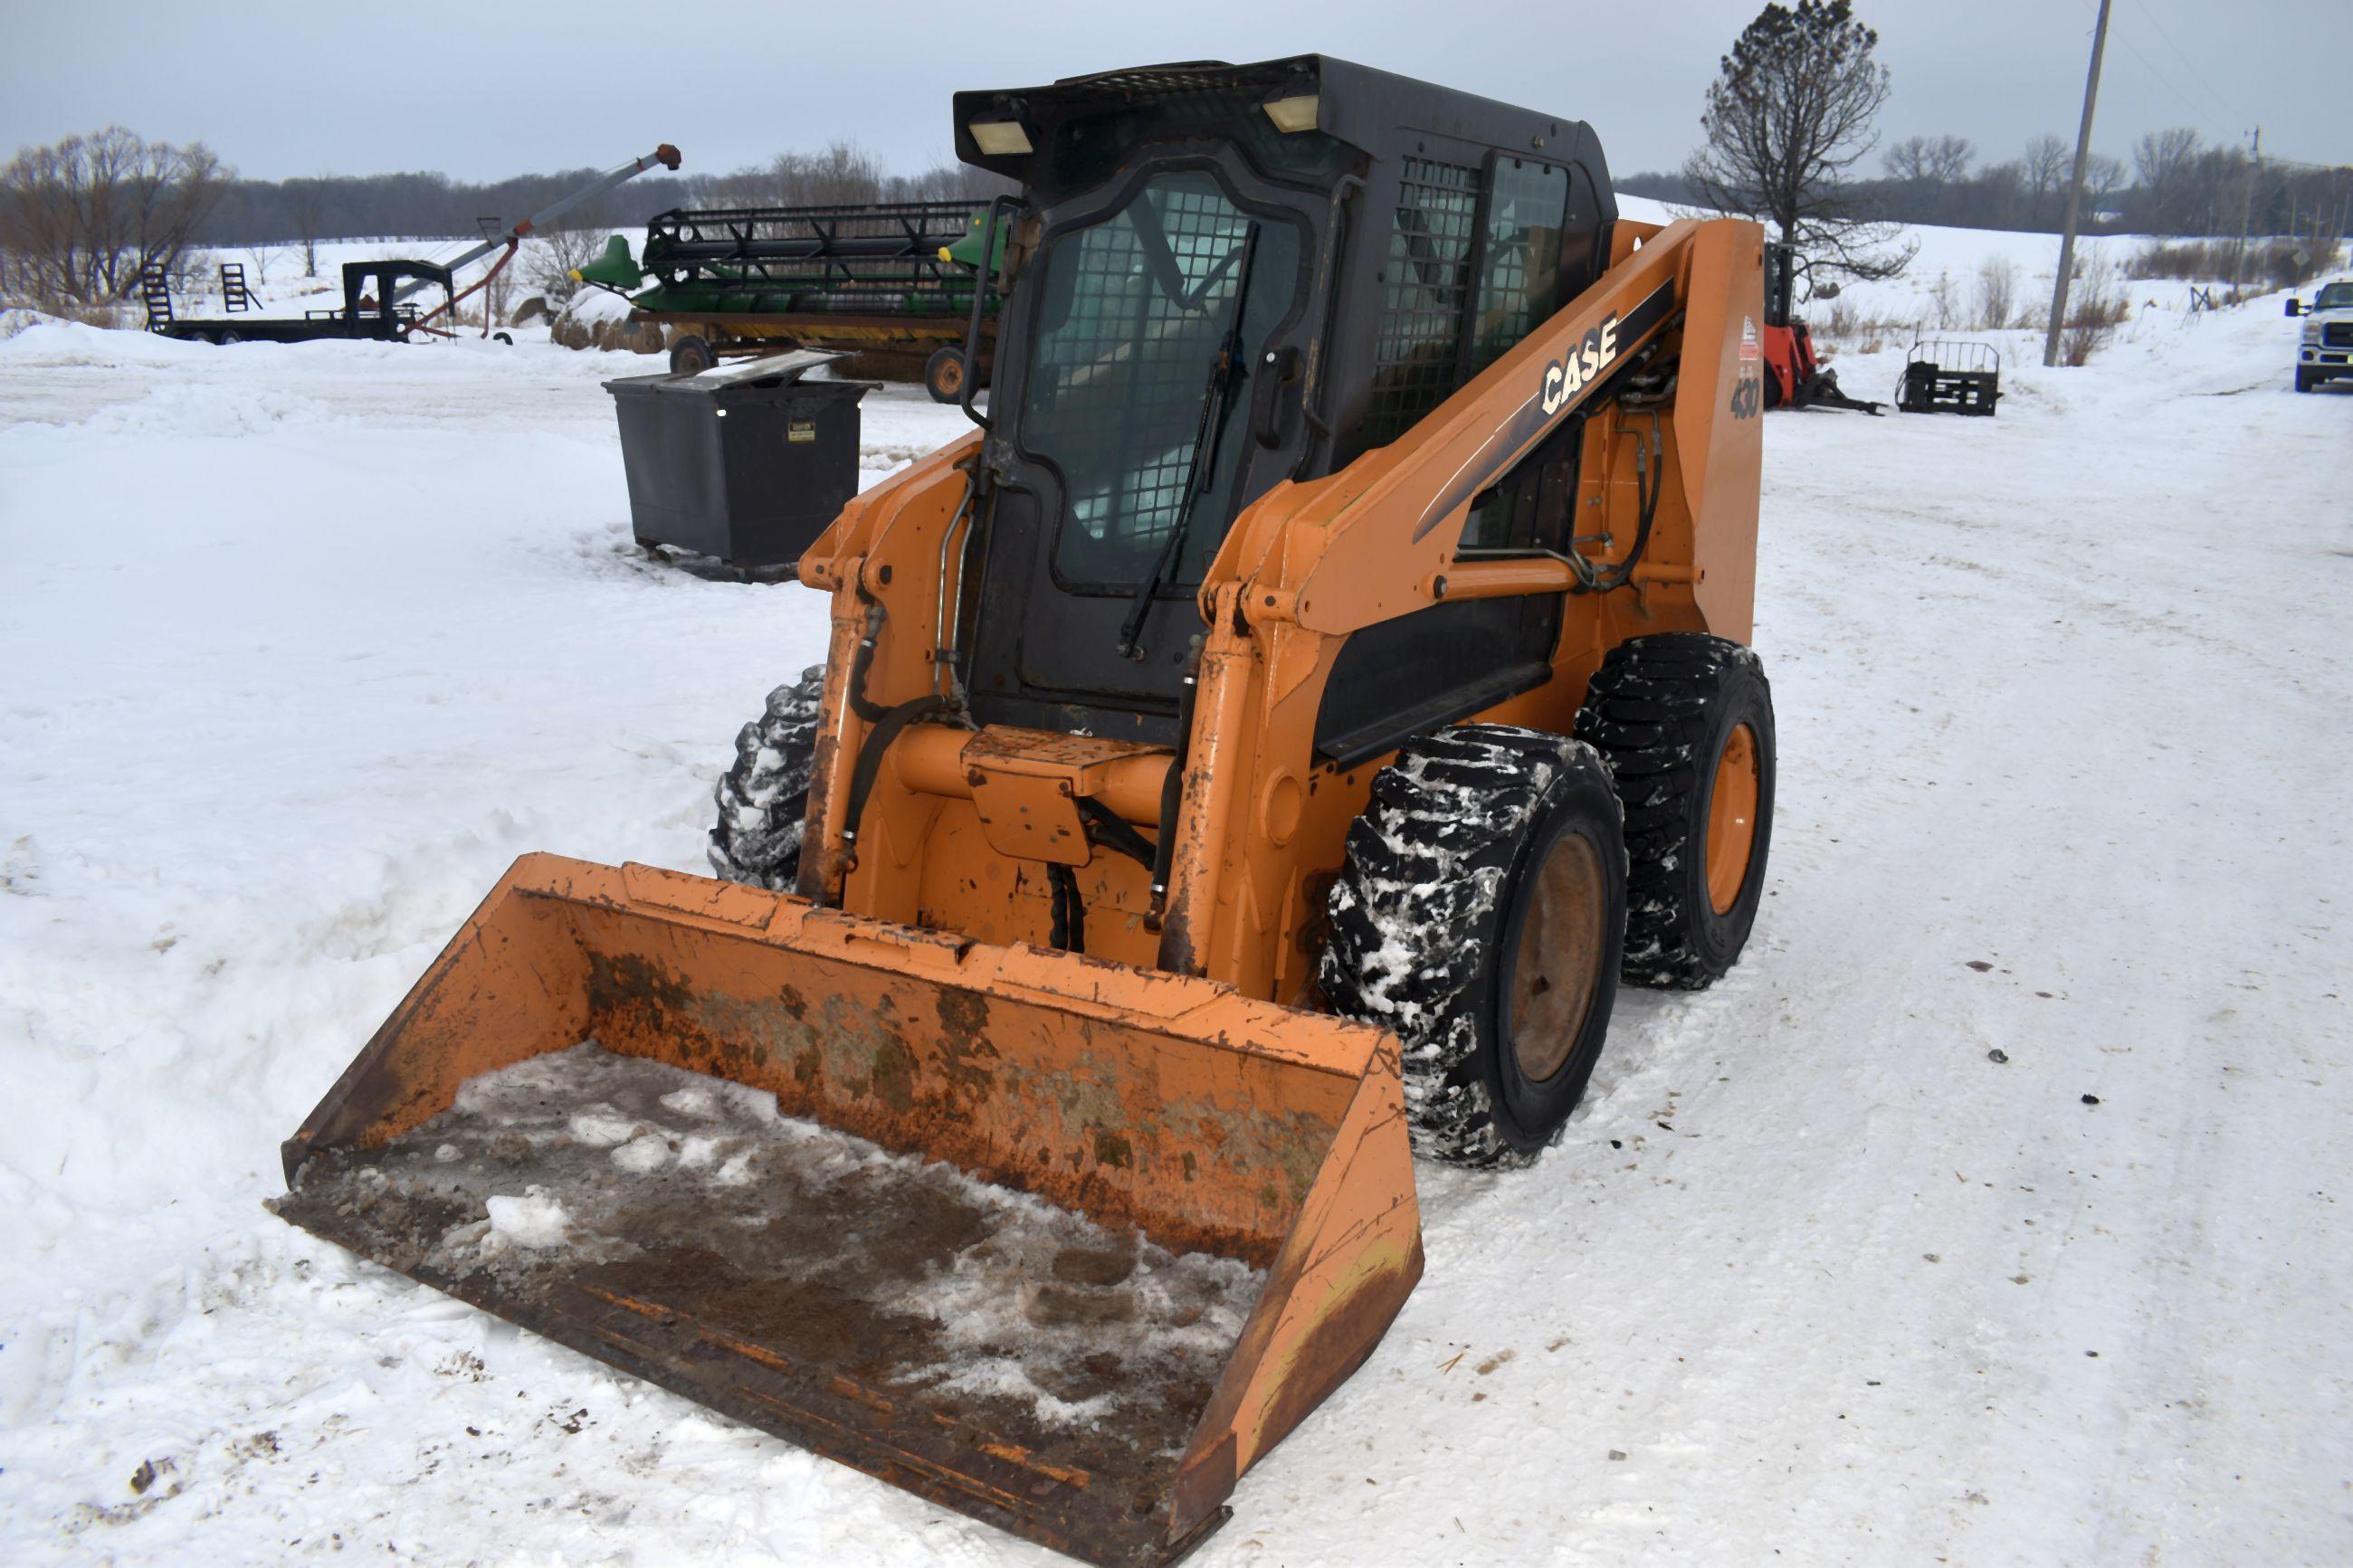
(1794, 378)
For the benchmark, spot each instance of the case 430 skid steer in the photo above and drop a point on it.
(1251, 757)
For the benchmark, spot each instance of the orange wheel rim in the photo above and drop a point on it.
(1558, 966)
(1732, 820)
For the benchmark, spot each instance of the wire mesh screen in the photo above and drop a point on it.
(1134, 312)
(1425, 285)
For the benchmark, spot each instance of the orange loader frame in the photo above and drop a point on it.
(959, 825)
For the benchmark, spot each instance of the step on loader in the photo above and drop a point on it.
(1252, 756)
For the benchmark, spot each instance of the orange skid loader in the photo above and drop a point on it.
(1251, 757)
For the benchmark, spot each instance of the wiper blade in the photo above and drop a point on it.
(1199, 474)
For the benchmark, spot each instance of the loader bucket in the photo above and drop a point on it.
(1058, 1243)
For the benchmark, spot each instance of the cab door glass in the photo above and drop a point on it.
(1124, 383)
(1520, 266)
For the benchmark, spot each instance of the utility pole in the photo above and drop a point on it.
(2075, 194)
(2246, 217)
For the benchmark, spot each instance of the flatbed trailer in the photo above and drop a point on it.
(376, 293)
(371, 311)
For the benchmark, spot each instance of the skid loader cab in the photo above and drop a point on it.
(1228, 277)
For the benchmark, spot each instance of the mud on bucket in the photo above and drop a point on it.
(1060, 1244)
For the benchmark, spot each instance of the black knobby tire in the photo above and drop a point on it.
(1437, 905)
(764, 797)
(1665, 712)
(690, 355)
(2304, 382)
(943, 376)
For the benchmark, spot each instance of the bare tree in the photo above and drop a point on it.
(2044, 171)
(261, 256)
(1931, 160)
(555, 253)
(1789, 113)
(842, 174)
(306, 200)
(1997, 292)
(2162, 159)
(949, 183)
(2103, 177)
(81, 218)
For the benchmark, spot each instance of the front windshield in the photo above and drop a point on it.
(2336, 296)
(1124, 382)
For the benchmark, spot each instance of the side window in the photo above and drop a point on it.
(1529, 508)
(1520, 271)
(1425, 284)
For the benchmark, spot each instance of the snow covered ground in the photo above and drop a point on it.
(1994, 1210)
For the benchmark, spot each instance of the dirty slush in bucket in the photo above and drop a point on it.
(633, 1179)
(1059, 1246)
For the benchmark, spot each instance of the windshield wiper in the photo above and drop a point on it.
(1201, 472)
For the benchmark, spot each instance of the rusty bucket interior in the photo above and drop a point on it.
(1062, 1244)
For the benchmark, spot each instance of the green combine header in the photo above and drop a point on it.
(890, 281)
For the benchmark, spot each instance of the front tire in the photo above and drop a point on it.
(690, 355)
(1684, 721)
(1480, 914)
(944, 374)
(763, 797)
(2304, 382)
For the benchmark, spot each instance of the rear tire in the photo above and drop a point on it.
(764, 797)
(1480, 914)
(943, 376)
(690, 355)
(1684, 721)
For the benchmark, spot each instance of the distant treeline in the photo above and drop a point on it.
(2174, 185)
(288, 212)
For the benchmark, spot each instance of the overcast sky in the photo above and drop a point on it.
(330, 87)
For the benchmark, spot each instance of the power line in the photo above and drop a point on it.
(2229, 111)
(2197, 111)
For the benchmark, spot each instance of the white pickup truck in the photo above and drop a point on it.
(2326, 352)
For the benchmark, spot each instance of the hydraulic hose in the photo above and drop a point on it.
(1172, 793)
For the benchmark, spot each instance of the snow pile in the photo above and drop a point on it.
(176, 409)
(593, 307)
(15, 318)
